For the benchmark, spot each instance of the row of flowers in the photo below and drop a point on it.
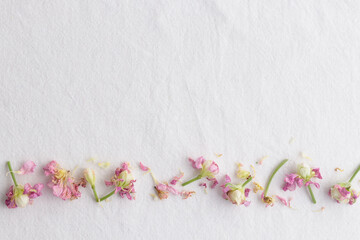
(65, 186)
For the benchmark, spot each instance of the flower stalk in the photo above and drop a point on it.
(355, 173)
(12, 173)
(191, 180)
(273, 174)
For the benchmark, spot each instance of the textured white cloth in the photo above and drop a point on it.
(160, 81)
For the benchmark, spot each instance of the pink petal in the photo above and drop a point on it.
(227, 179)
(282, 200)
(143, 167)
(50, 168)
(197, 164)
(247, 191)
(214, 182)
(214, 168)
(317, 173)
(28, 167)
(108, 183)
(176, 179)
(247, 203)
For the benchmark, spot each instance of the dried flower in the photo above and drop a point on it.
(236, 193)
(208, 169)
(264, 197)
(19, 195)
(123, 181)
(62, 182)
(304, 176)
(163, 189)
(343, 192)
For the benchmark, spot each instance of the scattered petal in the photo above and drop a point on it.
(143, 167)
(176, 178)
(27, 168)
(282, 200)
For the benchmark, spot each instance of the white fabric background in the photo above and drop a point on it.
(160, 81)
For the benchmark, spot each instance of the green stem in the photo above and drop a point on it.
(107, 196)
(312, 194)
(191, 180)
(356, 172)
(273, 174)
(95, 193)
(12, 173)
(247, 181)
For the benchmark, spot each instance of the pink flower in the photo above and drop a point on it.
(123, 182)
(291, 180)
(27, 168)
(208, 169)
(20, 196)
(343, 193)
(302, 177)
(62, 182)
(163, 189)
(236, 193)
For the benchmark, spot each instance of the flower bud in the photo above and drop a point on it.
(236, 196)
(90, 176)
(22, 200)
(304, 170)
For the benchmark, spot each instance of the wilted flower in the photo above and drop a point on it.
(304, 176)
(123, 181)
(19, 195)
(236, 193)
(208, 169)
(62, 182)
(343, 192)
(163, 189)
(270, 201)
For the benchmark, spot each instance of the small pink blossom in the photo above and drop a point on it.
(343, 193)
(236, 193)
(163, 189)
(208, 169)
(123, 182)
(20, 196)
(302, 177)
(62, 182)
